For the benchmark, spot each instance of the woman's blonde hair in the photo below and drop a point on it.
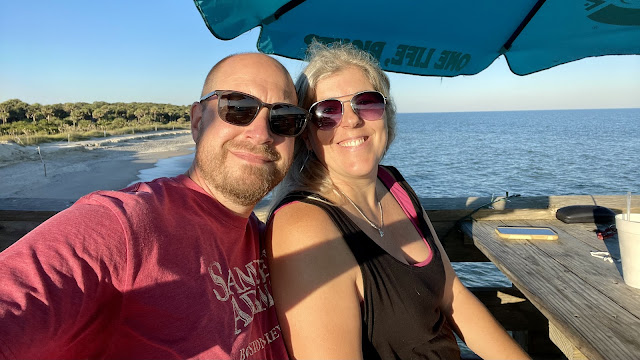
(307, 172)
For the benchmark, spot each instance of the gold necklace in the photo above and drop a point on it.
(380, 229)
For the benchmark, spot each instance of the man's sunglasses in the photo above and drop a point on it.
(241, 109)
(368, 105)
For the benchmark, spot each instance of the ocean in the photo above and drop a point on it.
(531, 153)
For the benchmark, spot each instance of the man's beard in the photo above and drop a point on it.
(245, 184)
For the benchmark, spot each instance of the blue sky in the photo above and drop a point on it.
(160, 51)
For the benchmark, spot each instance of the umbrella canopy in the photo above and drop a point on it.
(439, 38)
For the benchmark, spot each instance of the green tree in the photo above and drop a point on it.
(103, 124)
(78, 114)
(117, 123)
(187, 113)
(118, 109)
(68, 108)
(17, 109)
(131, 110)
(140, 113)
(99, 104)
(154, 112)
(58, 111)
(4, 113)
(33, 112)
(85, 125)
(101, 112)
(47, 112)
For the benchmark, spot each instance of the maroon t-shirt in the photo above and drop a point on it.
(159, 270)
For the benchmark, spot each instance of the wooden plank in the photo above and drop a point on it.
(561, 341)
(574, 253)
(617, 203)
(584, 232)
(11, 231)
(490, 214)
(538, 243)
(552, 203)
(34, 216)
(599, 328)
(34, 204)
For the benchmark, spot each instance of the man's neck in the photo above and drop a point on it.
(240, 210)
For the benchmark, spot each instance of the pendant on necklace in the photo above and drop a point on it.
(381, 232)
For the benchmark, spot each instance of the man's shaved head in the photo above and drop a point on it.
(210, 80)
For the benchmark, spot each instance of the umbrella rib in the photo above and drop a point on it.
(282, 10)
(521, 27)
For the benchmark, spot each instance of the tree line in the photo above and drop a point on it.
(20, 118)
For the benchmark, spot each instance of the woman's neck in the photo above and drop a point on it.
(363, 192)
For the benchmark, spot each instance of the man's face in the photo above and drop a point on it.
(241, 164)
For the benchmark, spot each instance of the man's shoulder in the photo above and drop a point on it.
(136, 197)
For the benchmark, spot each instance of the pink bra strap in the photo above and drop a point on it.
(405, 203)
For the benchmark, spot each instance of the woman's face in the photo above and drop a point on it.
(354, 148)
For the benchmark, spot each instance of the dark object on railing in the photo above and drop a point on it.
(585, 214)
(606, 233)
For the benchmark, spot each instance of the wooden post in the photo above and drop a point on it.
(43, 164)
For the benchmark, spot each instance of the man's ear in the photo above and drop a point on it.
(196, 118)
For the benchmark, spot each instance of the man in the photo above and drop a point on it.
(173, 268)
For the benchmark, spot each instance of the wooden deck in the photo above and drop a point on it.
(592, 313)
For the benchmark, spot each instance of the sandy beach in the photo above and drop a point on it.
(77, 168)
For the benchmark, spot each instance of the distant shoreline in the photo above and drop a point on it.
(77, 168)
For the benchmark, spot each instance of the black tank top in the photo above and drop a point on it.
(401, 316)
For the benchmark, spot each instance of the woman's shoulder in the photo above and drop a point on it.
(300, 203)
(300, 215)
(298, 224)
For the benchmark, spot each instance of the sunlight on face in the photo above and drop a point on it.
(355, 147)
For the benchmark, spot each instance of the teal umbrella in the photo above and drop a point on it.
(438, 38)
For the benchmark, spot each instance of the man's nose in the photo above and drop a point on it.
(259, 130)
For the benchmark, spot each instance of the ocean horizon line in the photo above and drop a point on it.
(517, 110)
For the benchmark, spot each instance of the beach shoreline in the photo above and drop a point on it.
(74, 169)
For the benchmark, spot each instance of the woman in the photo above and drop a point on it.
(357, 270)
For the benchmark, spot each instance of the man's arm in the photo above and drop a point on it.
(57, 281)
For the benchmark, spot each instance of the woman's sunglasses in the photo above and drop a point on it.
(368, 105)
(241, 109)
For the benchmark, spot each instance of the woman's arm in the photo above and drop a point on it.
(479, 329)
(472, 320)
(313, 278)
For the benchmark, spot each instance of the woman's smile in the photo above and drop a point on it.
(354, 142)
